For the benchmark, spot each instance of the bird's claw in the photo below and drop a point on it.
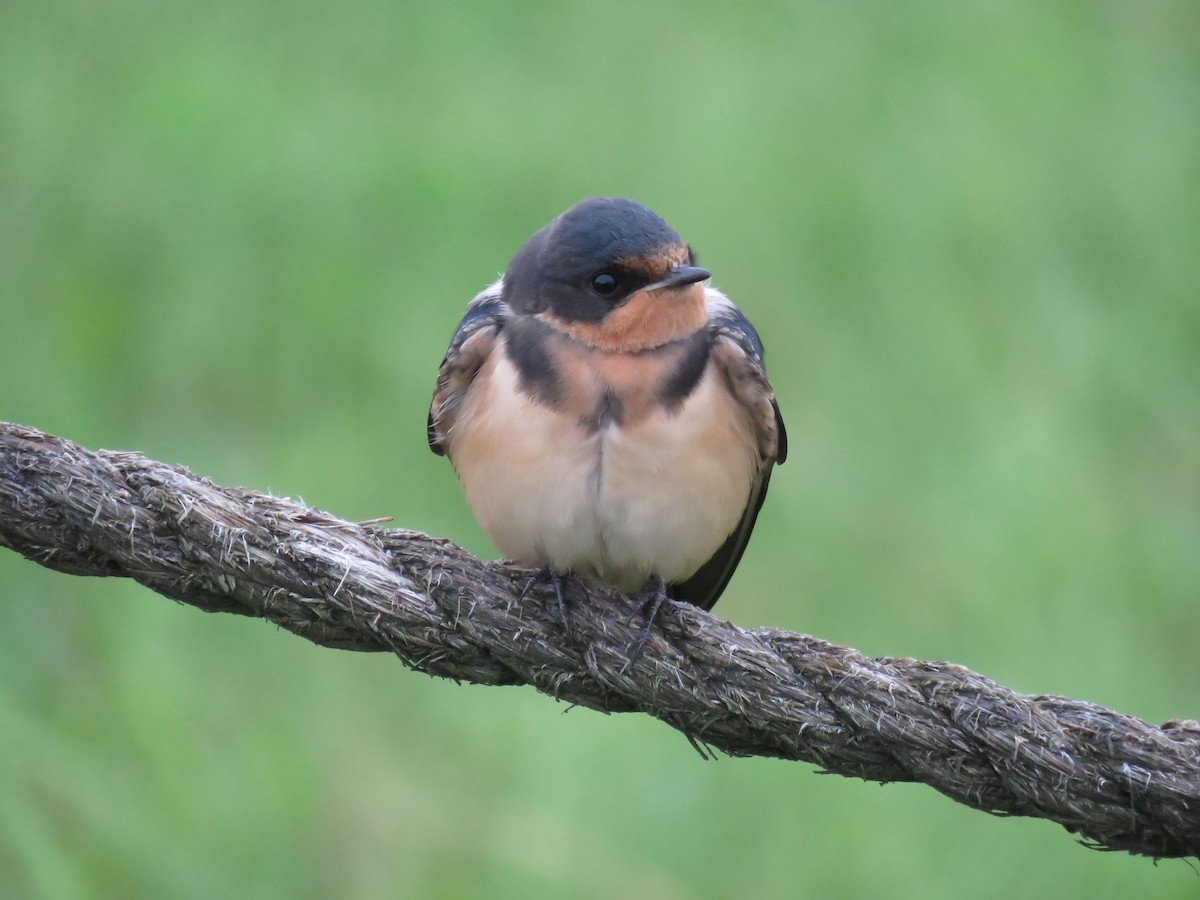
(650, 601)
(560, 596)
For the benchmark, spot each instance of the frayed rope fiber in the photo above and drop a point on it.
(1118, 782)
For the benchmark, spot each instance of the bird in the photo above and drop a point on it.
(608, 413)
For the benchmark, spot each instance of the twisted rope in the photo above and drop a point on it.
(1119, 782)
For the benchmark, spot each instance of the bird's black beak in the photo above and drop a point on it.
(679, 276)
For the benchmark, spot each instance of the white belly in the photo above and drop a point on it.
(656, 496)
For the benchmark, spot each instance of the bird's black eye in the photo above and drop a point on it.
(605, 283)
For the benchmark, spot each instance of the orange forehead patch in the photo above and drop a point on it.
(658, 264)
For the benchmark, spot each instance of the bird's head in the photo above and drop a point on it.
(611, 273)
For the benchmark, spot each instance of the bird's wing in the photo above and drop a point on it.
(737, 353)
(473, 341)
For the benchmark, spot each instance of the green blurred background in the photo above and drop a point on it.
(237, 237)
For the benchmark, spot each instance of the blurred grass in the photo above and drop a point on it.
(237, 237)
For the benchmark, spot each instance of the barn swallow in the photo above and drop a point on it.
(607, 413)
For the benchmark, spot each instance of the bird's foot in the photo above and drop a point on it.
(649, 602)
(560, 595)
